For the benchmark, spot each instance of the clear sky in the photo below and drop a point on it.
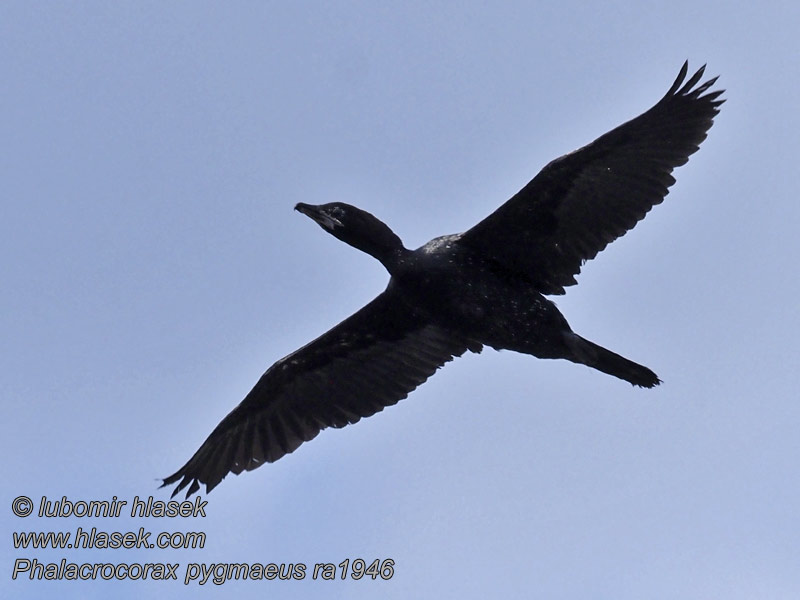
(153, 268)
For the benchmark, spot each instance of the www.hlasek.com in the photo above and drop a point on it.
(201, 573)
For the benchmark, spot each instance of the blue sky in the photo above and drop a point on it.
(154, 268)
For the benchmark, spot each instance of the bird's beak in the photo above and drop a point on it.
(318, 214)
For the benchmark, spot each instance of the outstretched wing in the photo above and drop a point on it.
(583, 201)
(369, 361)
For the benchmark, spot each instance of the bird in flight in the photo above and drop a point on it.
(484, 287)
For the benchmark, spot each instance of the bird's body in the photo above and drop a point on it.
(483, 287)
(463, 291)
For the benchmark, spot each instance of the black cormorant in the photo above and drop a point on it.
(484, 287)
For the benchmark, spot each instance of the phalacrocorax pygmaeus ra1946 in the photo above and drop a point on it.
(484, 287)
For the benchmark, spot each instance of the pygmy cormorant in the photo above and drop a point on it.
(484, 287)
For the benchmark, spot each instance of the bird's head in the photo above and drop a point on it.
(355, 227)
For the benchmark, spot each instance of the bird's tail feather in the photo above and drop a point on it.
(597, 357)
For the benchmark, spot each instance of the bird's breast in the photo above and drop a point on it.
(462, 294)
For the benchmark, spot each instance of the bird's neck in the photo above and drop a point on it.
(387, 248)
(394, 259)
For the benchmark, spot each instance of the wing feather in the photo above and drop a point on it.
(370, 361)
(583, 201)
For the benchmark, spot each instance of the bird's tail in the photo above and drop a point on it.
(597, 357)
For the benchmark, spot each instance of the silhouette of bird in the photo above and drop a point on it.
(484, 287)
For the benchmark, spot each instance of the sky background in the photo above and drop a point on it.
(153, 268)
